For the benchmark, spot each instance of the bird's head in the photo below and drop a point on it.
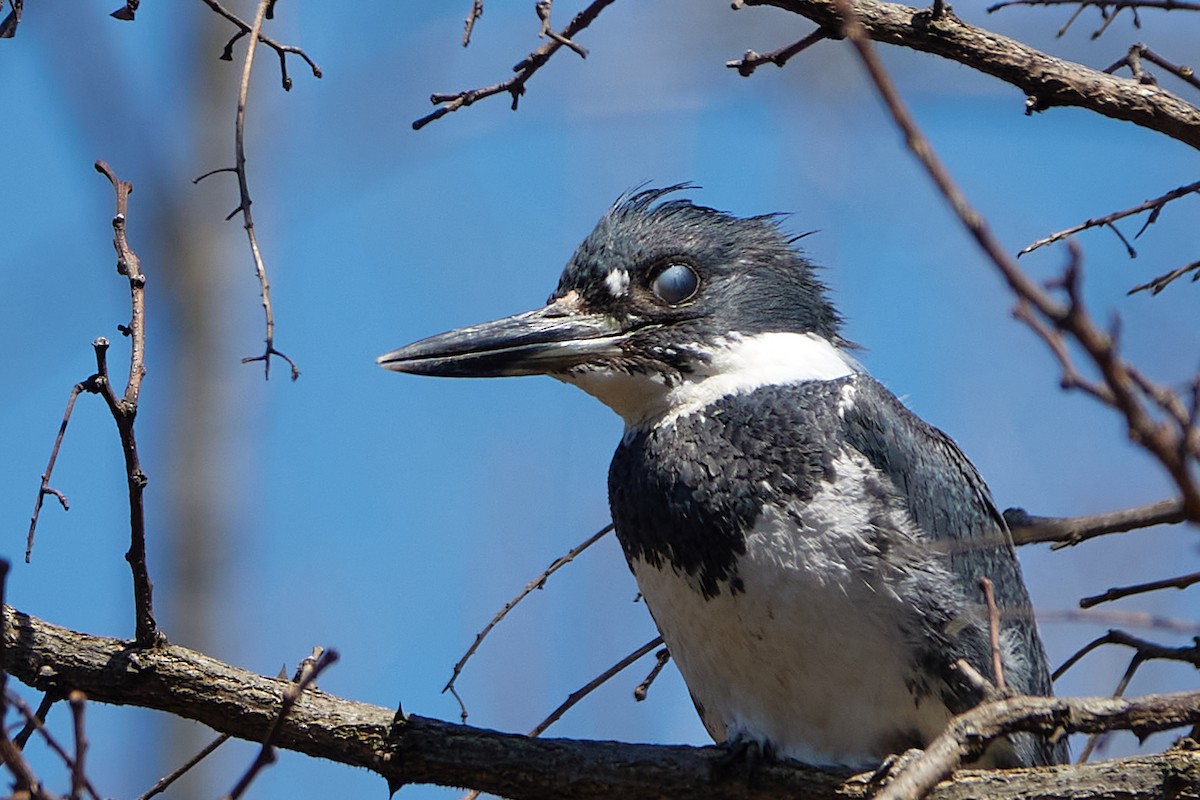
(662, 297)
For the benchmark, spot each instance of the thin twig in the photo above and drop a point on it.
(124, 410)
(1146, 649)
(165, 782)
(748, 63)
(989, 597)
(583, 691)
(59, 750)
(260, 268)
(310, 669)
(524, 70)
(78, 701)
(1155, 206)
(643, 688)
(1070, 531)
(536, 583)
(1184, 73)
(1162, 281)
(543, 9)
(1117, 592)
(280, 49)
(88, 385)
(1117, 5)
(472, 17)
(39, 718)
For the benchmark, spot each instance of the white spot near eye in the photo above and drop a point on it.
(617, 282)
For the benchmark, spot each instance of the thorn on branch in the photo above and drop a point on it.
(306, 675)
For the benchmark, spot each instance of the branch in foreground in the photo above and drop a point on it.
(412, 749)
(1046, 81)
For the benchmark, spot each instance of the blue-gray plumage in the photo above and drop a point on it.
(810, 550)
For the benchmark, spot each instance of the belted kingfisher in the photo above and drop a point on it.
(810, 550)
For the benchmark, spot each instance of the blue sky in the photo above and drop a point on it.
(390, 516)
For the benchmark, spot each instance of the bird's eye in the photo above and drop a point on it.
(675, 284)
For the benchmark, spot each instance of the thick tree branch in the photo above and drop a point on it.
(411, 749)
(1046, 81)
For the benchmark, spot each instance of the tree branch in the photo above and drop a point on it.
(411, 749)
(1070, 531)
(1047, 81)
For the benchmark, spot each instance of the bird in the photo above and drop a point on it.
(809, 549)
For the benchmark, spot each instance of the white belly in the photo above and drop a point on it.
(810, 656)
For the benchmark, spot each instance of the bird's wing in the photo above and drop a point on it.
(950, 503)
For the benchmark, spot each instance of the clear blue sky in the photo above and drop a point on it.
(390, 516)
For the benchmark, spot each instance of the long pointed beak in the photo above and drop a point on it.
(548, 340)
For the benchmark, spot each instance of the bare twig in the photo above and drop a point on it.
(472, 17)
(989, 598)
(1162, 281)
(282, 50)
(88, 385)
(32, 720)
(643, 688)
(1146, 649)
(165, 782)
(1184, 73)
(239, 168)
(543, 9)
(1070, 531)
(536, 583)
(39, 718)
(1154, 206)
(1103, 6)
(78, 701)
(1117, 592)
(591, 685)
(748, 63)
(310, 669)
(524, 70)
(124, 410)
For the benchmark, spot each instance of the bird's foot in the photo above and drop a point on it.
(886, 772)
(742, 754)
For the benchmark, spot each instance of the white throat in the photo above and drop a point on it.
(737, 364)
